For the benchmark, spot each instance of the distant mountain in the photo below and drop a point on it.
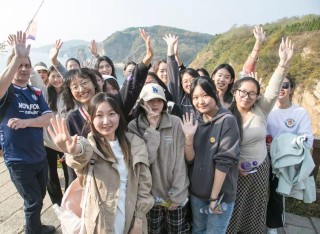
(127, 45)
(68, 49)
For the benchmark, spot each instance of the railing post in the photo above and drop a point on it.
(316, 157)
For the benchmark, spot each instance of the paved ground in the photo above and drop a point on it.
(12, 216)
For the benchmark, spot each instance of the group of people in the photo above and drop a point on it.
(168, 145)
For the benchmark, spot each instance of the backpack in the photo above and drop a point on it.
(9, 98)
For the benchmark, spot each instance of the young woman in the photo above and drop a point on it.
(212, 148)
(79, 87)
(53, 96)
(128, 68)
(172, 107)
(105, 66)
(164, 137)
(285, 117)
(160, 68)
(249, 215)
(223, 77)
(179, 85)
(119, 195)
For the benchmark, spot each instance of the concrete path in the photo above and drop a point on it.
(12, 216)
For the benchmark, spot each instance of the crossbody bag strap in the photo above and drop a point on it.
(86, 191)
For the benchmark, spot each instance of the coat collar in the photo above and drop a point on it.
(165, 121)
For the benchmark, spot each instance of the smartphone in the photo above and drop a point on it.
(218, 201)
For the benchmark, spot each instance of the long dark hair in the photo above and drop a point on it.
(83, 73)
(102, 143)
(233, 108)
(108, 60)
(228, 96)
(52, 93)
(208, 87)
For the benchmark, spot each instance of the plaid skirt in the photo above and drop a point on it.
(249, 215)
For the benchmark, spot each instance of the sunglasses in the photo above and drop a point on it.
(285, 85)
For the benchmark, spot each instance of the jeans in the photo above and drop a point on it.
(30, 181)
(210, 223)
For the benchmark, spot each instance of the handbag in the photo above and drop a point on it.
(71, 212)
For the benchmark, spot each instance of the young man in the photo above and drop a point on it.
(24, 113)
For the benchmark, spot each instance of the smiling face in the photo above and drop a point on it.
(106, 121)
(105, 68)
(285, 91)
(56, 80)
(222, 79)
(186, 81)
(82, 89)
(162, 73)
(156, 105)
(246, 95)
(204, 103)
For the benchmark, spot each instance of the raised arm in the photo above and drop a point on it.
(53, 55)
(93, 48)
(269, 98)
(21, 51)
(132, 87)
(173, 69)
(252, 59)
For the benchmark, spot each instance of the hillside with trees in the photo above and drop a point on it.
(234, 46)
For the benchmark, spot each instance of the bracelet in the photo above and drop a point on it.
(213, 199)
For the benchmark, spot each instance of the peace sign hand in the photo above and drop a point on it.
(61, 137)
(152, 116)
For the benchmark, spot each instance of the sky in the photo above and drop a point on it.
(98, 19)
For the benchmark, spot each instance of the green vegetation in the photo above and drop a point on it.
(234, 46)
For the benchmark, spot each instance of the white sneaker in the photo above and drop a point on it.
(272, 231)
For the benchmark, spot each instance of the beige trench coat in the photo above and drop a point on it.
(104, 187)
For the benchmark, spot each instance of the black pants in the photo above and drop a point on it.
(30, 181)
(275, 205)
(53, 185)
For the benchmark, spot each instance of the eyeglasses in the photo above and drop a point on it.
(85, 84)
(286, 85)
(243, 93)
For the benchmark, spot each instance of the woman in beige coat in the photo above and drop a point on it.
(119, 194)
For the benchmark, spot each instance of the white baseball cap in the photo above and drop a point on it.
(152, 91)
